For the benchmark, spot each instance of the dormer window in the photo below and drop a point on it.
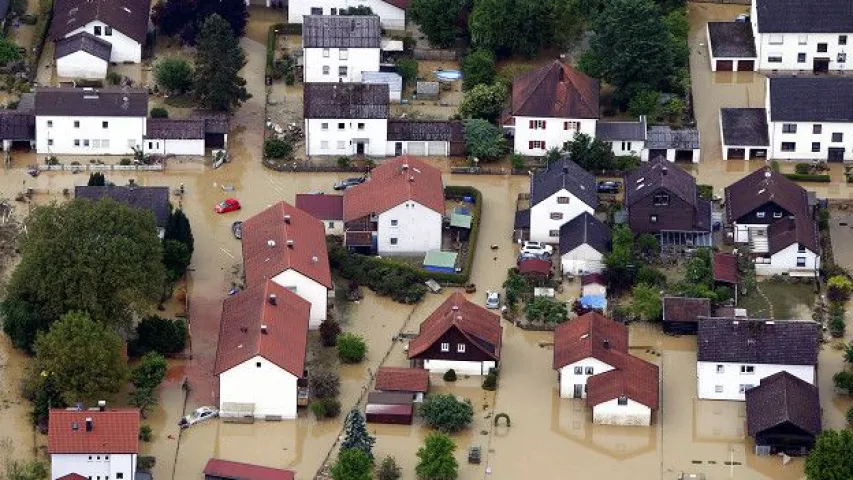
(759, 214)
(777, 214)
(623, 400)
(661, 199)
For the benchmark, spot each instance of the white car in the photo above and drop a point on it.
(200, 414)
(536, 248)
(493, 300)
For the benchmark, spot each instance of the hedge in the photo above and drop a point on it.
(272, 33)
(291, 28)
(797, 177)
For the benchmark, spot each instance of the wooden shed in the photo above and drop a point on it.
(390, 408)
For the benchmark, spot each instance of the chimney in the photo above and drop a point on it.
(314, 259)
(455, 308)
(606, 344)
(290, 244)
(412, 179)
(665, 170)
(263, 329)
(88, 424)
(102, 405)
(287, 219)
(272, 299)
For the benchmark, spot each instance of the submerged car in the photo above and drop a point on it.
(229, 205)
(200, 414)
(350, 182)
(536, 248)
(237, 230)
(608, 187)
(493, 300)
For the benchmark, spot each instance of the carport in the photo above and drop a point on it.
(744, 134)
(675, 145)
(731, 46)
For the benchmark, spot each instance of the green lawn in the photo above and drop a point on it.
(787, 299)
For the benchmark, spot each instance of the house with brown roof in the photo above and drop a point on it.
(217, 469)
(93, 443)
(329, 209)
(458, 335)
(783, 415)
(260, 357)
(288, 246)
(407, 380)
(681, 314)
(397, 211)
(771, 216)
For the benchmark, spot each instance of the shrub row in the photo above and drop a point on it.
(271, 36)
(798, 177)
(291, 28)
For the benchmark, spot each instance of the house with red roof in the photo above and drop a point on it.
(458, 335)
(397, 211)
(217, 469)
(261, 353)
(329, 209)
(405, 380)
(96, 443)
(288, 246)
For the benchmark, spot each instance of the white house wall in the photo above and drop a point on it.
(541, 224)
(125, 49)
(334, 227)
(582, 258)
(333, 140)
(390, 17)
(100, 465)
(632, 413)
(269, 387)
(122, 134)
(419, 148)
(785, 262)
(627, 147)
(741, 231)
(174, 147)
(731, 378)
(554, 134)
(81, 65)
(804, 138)
(315, 293)
(792, 44)
(357, 60)
(418, 230)
(460, 367)
(568, 379)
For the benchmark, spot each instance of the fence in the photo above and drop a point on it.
(308, 167)
(435, 54)
(100, 167)
(491, 171)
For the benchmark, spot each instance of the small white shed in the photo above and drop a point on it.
(174, 137)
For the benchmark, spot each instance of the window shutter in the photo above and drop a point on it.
(530, 145)
(543, 123)
(565, 125)
(532, 124)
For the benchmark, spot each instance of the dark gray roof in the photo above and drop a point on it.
(129, 17)
(804, 16)
(664, 137)
(522, 219)
(87, 102)
(659, 173)
(584, 229)
(564, 174)
(615, 131)
(16, 125)
(214, 122)
(425, 130)
(781, 398)
(86, 42)
(153, 199)
(345, 100)
(165, 129)
(731, 39)
(744, 127)
(339, 31)
(27, 103)
(784, 342)
(811, 99)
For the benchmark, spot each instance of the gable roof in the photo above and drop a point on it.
(129, 17)
(636, 379)
(564, 174)
(725, 268)
(556, 90)
(341, 31)
(321, 206)
(169, 129)
(683, 309)
(283, 237)
(394, 379)
(153, 199)
(426, 130)
(590, 335)
(536, 266)
(804, 16)
(91, 102)
(393, 182)
(781, 398)
(481, 327)
(741, 340)
(787, 231)
(811, 99)
(241, 335)
(584, 229)
(245, 471)
(113, 431)
(659, 173)
(615, 131)
(346, 100)
(744, 127)
(84, 41)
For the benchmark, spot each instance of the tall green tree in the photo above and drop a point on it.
(592, 154)
(445, 413)
(483, 140)
(146, 376)
(352, 464)
(436, 460)
(355, 434)
(184, 18)
(174, 75)
(512, 27)
(83, 358)
(484, 101)
(95, 257)
(438, 20)
(646, 303)
(830, 459)
(219, 58)
(478, 67)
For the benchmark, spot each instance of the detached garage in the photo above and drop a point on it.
(425, 138)
(744, 133)
(731, 46)
(82, 55)
(390, 408)
(174, 137)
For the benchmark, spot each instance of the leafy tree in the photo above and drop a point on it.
(174, 75)
(93, 257)
(592, 154)
(329, 331)
(446, 414)
(543, 309)
(33, 470)
(184, 18)
(408, 69)
(355, 434)
(158, 334)
(648, 246)
(848, 353)
(150, 372)
(484, 140)
(235, 12)
(324, 383)
(843, 380)
(219, 59)
(389, 470)
(357, 10)
(647, 302)
(178, 228)
(351, 348)
(145, 433)
(515, 286)
(83, 358)
(97, 179)
(645, 102)
(172, 17)
(176, 259)
(519, 27)
(352, 464)
(484, 101)
(436, 460)
(838, 288)
(278, 148)
(438, 20)
(8, 51)
(159, 112)
(830, 458)
(478, 67)
(620, 262)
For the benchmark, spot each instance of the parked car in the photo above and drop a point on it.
(493, 300)
(350, 182)
(609, 187)
(742, 18)
(200, 414)
(536, 248)
(237, 230)
(229, 205)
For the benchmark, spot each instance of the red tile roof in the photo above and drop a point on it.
(636, 379)
(113, 431)
(266, 248)
(241, 337)
(482, 327)
(389, 185)
(590, 335)
(320, 206)
(72, 476)
(393, 379)
(401, 4)
(555, 91)
(725, 268)
(245, 471)
(593, 278)
(534, 266)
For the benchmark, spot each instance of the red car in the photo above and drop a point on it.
(229, 205)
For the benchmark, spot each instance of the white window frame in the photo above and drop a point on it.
(324, 144)
(718, 389)
(343, 54)
(325, 53)
(326, 70)
(776, 39)
(759, 214)
(721, 368)
(324, 126)
(445, 346)
(460, 348)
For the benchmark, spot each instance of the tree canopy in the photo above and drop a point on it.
(438, 20)
(219, 58)
(355, 434)
(146, 376)
(352, 464)
(484, 101)
(184, 18)
(830, 458)
(522, 27)
(478, 67)
(444, 413)
(436, 460)
(646, 303)
(483, 140)
(174, 75)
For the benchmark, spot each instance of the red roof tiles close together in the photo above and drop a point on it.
(113, 431)
(725, 268)
(393, 182)
(321, 206)
(244, 471)
(393, 379)
(555, 91)
(475, 322)
(636, 379)
(590, 335)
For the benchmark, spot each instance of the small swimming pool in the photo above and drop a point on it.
(448, 75)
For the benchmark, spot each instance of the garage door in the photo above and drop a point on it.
(437, 148)
(737, 154)
(725, 65)
(745, 65)
(755, 153)
(416, 148)
(835, 155)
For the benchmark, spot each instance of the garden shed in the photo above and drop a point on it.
(394, 408)
(535, 268)
(438, 261)
(426, 91)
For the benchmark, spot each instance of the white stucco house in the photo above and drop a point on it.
(771, 216)
(174, 137)
(87, 121)
(288, 246)
(735, 354)
(584, 241)
(625, 138)
(94, 443)
(338, 48)
(261, 353)
(397, 211)
(458, 335)
(391, 13)
(329, 209)
(346, 119)
(626, 395)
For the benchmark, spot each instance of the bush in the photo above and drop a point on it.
(478, 67)
(484, 140)
(277, 148)
(517, 161)
(159, 112)
(408, 69)
(445, 413)
(803, 168)
(344, 162)
(837, 326)
(450, 375)
(543, 309)
(351, 348)
(324, 383)
(329, 331)
(324, 408)
(843, 381)
(174, 75)
(389, 470)
(490, 383)
(706, 192)
(8, 51)
(849, 416)
(352, 464)
(157, 334)
(808, 178)
(145, 433)
(125, 161)
(838, 289)
(113, 78)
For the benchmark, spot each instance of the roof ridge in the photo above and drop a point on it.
(539, 79)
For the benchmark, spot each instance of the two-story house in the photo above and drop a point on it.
(346, 119)
(391, 13)
(771, 215)
(458, 335)
(398, 211)
(584, 241)
(288, 246)
(87, 121)
(261, 353)
(94, 443)
(735, 354)
(339, 48)
(662, 199)
(558, 194)
(90, 34)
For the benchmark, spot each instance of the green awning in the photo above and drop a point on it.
(437, 258)
(459, 220)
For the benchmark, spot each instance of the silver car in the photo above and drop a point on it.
(493, 300)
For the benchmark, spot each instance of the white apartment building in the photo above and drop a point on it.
(94, 443)
(391, 13)
(340, 48)
(346, 119)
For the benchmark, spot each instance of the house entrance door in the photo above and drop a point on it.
(821, 65)
(398, 149)
(359, 148)
(835, 154)
(578, 393)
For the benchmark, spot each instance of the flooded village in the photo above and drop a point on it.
(544, 435)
